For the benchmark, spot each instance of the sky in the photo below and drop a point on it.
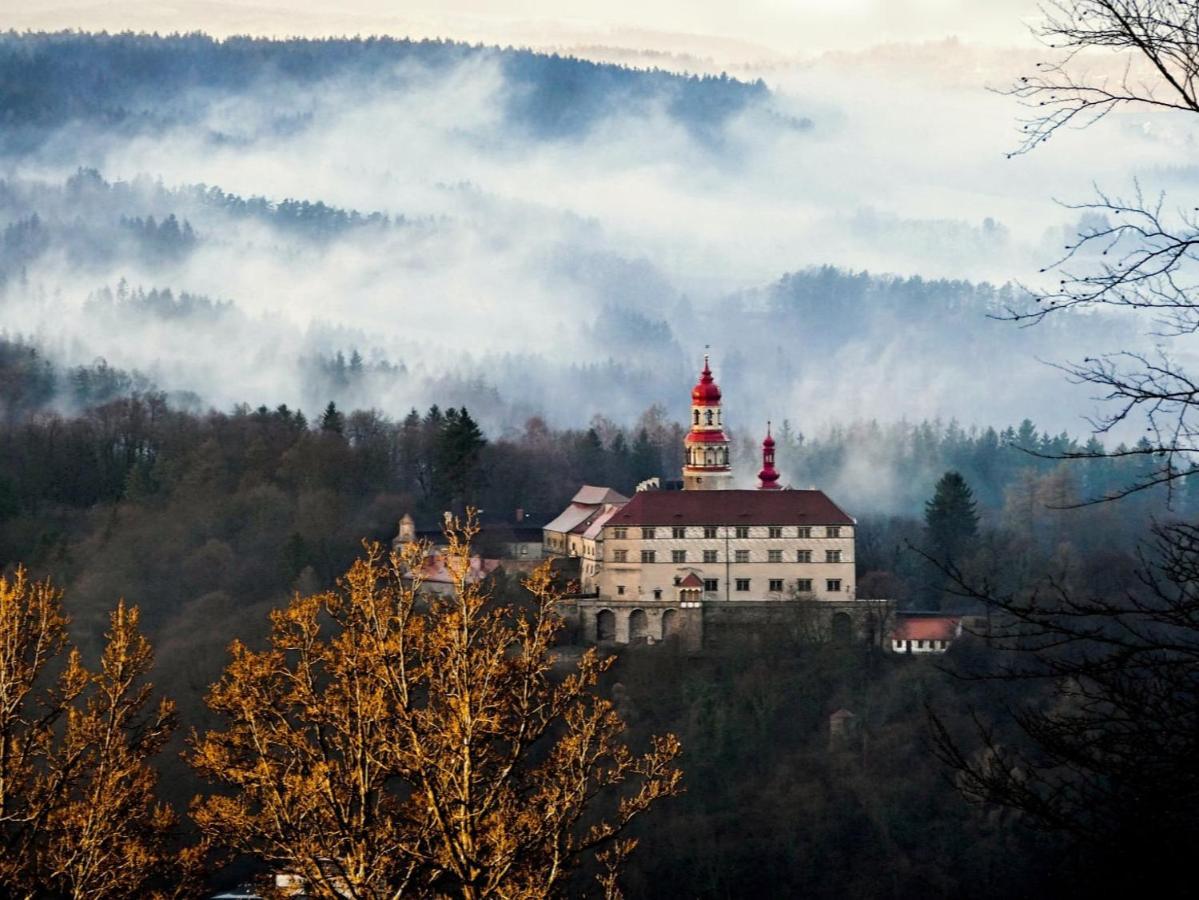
(747, 30)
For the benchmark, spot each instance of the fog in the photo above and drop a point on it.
(577, 271)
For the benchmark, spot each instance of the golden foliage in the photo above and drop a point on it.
(78, 814)
(393, 742)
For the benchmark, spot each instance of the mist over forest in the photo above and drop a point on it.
(261, 297)
(507, 230)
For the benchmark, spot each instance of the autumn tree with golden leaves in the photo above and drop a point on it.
(78, 810)
(392, 742)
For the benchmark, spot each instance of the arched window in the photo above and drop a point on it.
(708, 417)
(697, 417)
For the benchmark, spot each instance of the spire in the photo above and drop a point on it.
(768, 478)
(706, 446)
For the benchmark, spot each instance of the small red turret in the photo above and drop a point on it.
(768, 478)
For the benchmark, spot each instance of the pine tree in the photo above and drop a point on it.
(458, 449)
(332, 419)
(950, 517)
(646, 461)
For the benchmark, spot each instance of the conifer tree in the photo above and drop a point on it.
(332, 419)
(950, 517)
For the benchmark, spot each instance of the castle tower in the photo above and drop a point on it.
(768, 478)
(706, 447)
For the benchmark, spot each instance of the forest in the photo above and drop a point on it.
(245, 506)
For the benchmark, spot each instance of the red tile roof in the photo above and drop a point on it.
(691, 581)
(925, 628)
(730, 508)
(434, 569)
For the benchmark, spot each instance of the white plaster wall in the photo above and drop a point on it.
(641, 579)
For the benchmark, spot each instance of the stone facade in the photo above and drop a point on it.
(685, 566)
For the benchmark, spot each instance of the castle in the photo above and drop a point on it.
(684, 565)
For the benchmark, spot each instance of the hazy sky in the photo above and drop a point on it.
(738, 31)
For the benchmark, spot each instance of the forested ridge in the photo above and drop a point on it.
(136, 82)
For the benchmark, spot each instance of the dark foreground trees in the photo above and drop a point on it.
(1105, 741)
(79, 816)
(389, 743)
(1108, 752)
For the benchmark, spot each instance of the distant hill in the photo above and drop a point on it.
(139, 81)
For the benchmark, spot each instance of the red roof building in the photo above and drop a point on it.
(732, 508)
(924, 633)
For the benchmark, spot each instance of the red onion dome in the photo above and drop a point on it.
(768, 478)
(705, 393)
(705, 437)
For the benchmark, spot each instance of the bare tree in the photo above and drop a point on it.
(1135, 253)
(1101, 748)
(1110, 736)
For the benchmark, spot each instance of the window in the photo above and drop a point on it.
(776, 585)
(805, 531)
(833, 531)
(678, 556)
(833, 585)
(803, 555)
(620, 589)
(647, 556)
(657, 593)
(710, 556)
(775, 531)
(804, 585)
(620, 555)
(832, 556)
(709, 531)
(711, 584)
(678, 532)
(620, 533)
(774, 555)
(743, 584)
(741, 556)
(647, 534)
(742, 531)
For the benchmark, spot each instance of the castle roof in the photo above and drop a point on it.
(594, 495)
(590, 501)
(731, 508)
(596, 524)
